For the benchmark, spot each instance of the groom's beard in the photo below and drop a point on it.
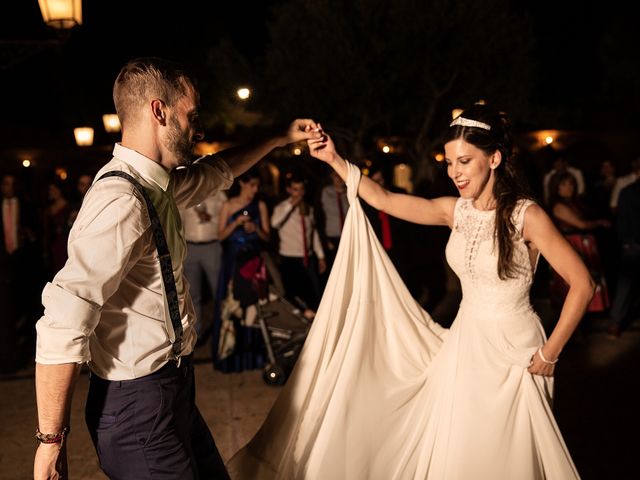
(179, 143)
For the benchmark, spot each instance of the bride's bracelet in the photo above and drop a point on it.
(545, 360)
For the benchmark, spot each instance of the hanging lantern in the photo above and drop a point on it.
(84, 136)
(111, 122)
(61, 14)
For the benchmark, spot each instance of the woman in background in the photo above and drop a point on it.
(244, 229)
(57, 223)
(568, 214)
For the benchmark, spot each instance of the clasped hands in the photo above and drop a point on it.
(320, 144)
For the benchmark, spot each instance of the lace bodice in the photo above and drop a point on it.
(472, 253)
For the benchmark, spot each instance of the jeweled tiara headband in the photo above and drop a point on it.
(466, 122)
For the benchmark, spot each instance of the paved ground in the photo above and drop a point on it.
(233, 406)
(597, 407)
(597, 404)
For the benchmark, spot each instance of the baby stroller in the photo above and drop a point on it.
(284, 330)
(283, 326)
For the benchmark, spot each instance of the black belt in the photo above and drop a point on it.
(208, 242)
(169, 369)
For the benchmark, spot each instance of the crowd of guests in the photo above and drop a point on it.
(247, 243)
(290, 241)
(34, 238)
(601, 223)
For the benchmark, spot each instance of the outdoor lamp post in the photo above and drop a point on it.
(61, 14)
(111, 122)
(84, 136)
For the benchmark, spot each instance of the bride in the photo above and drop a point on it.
(380, 390)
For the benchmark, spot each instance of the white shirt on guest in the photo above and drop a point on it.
(107, 305)
(287, 221)
(196, 230)
(335, 208)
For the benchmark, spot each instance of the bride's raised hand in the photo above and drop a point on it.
(322, 148)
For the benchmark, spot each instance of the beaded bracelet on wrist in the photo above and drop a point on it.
(51, 437)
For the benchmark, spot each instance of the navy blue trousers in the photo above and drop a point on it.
(150, 427)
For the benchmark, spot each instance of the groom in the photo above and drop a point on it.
(112, 307)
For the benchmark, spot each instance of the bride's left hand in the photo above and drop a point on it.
(540, 367)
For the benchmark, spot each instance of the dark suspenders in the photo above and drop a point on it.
(165, 260)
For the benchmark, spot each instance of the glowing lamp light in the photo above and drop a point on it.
(386, 149)
(548, 140)
(455, 113)
(61, 173)
(208, 148)
(111, 122)
(297, 151)
(26, 163)
(402, 177)
(243, 93)
(61, 14)
(84, 136)
(439, 157)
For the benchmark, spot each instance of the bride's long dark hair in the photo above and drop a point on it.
(509, 187)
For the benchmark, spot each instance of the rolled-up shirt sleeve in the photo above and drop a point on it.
(65, 327)
(206, 176)
(105, 242)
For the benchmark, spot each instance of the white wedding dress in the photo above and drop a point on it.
(381, 391)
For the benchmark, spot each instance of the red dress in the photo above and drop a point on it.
(585, 244)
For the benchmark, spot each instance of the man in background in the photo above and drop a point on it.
(204, 253)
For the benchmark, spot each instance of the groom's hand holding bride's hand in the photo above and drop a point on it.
(322, 148)
(298, 131)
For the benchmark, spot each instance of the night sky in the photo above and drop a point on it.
(43, 88)
(79, 75)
